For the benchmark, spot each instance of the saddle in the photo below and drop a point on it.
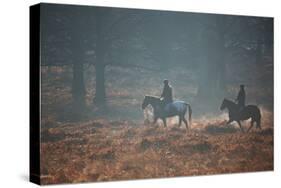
(173, 106)
(241, 108)
(167, 107)
(240, 111)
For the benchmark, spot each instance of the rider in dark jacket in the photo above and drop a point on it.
(241, 97)
(167, 94)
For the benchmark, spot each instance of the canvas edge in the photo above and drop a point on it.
(34, 95)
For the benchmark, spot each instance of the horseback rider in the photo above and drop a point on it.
(241, 97)
(167, 94)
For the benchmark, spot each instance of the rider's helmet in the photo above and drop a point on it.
(166, 81)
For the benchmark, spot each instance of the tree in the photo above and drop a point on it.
(111, 25)
(65, 39)
(213, 40)
(227, 39)
(72, 31)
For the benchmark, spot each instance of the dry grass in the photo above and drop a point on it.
(103, 150)
(107, 147)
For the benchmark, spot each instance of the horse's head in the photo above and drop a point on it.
(223, 104)
(149, 100)
(227, 104)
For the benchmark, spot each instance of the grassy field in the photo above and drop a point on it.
(118, 145)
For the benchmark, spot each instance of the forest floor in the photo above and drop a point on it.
(101, 150)
(118, 145)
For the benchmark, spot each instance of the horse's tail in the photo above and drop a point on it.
(189, 112)
(259, 119)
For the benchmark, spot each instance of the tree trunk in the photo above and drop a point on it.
(100, 97)
(212, 78)
(78, 86)
(212, 83)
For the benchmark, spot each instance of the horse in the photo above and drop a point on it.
(236, 114)
(176, 108)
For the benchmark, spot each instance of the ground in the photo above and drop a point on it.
(100, 151)
(120, 146)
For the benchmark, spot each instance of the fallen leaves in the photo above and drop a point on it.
(101, 150)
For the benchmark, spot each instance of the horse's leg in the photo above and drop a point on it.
(240, 126)
(258, 123)
(252, 123)
(180, 120)
(228, 122)
(154, 120)
(185, 122)
(164, 121)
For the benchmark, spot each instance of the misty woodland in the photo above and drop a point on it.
(133, 94)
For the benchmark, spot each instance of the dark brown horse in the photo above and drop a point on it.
(176, 108)
(235, 114)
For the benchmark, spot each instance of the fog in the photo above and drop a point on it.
(113, 57)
